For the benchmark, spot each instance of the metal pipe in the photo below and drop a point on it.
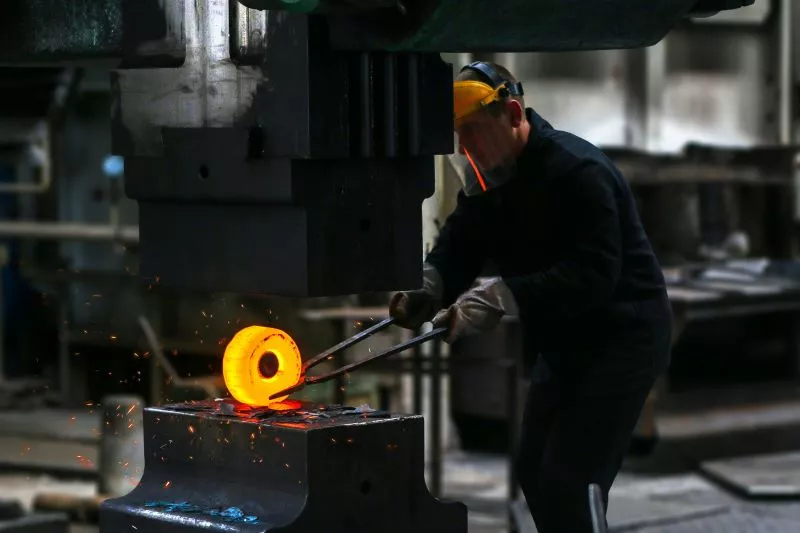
(160, 359)
(417, 377)
(785, 73)
(69, 231)
(365, 90)
(436, 419)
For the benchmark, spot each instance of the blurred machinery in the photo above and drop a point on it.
(704, 127)
(275, 149)
(285, 147)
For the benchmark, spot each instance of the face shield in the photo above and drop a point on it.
(485, 136)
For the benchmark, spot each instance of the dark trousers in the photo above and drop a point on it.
(569, 441)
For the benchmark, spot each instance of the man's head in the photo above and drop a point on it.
(489, 119)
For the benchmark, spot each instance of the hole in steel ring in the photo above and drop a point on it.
(203, 172)
(366, 487)
(268, 365)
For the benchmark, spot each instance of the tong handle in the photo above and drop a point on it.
(386, 353)
(314, 361)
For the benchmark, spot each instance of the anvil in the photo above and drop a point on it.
(222, 466)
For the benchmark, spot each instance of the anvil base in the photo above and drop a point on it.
(221, 466)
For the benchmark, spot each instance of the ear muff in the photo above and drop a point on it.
(507, 89)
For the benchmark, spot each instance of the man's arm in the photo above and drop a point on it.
(460, 251)
(590, 261)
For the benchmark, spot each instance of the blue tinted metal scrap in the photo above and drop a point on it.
(229, 514)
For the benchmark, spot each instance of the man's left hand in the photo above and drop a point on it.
(478, 310)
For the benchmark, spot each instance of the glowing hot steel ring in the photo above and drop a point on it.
(260, 361)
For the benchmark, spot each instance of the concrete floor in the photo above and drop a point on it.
(677, 503)
(681, 501)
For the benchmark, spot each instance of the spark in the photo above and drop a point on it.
(167, 484)
(131, 409)
(191, 428)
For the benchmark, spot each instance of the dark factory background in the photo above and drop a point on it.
(704, 125)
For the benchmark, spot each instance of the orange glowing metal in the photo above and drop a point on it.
(258, 362)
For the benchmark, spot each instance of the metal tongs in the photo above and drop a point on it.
(314, 361)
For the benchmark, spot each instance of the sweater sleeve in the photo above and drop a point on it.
(590, 249)
(459, 253)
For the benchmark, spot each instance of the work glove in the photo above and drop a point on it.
(478, 310)
(411, 309)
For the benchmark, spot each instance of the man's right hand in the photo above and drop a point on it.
(411, 309)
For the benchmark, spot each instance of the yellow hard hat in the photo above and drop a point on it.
(470, 96)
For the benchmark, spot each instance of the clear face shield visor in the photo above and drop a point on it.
(484, 136)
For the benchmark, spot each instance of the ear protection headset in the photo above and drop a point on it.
(504, 87)
(469, 95)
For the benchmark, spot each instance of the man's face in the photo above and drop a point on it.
(487, 138)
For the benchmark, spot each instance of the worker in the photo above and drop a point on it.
(556, 221)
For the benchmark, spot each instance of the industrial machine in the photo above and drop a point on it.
(285, 147)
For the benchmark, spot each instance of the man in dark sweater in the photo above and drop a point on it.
(556, 220)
